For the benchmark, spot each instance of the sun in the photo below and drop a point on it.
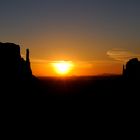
(62, 67)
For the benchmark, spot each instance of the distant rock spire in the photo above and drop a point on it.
(27, 55)
(28, 62)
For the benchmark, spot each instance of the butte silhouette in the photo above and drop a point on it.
(132, 69)
(15, 72)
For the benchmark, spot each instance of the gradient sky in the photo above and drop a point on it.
(97, 35)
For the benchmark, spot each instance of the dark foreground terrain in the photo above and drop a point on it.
(87, 87)
(77, 87)
(61, 88)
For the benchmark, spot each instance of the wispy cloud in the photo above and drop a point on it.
(122, 54)
(39, 60)
(80, 63)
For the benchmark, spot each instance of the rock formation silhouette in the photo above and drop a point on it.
(15, 72)
(12, 64)
(131, 78)
(132, 69)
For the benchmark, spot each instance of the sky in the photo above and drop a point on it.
(98, 36)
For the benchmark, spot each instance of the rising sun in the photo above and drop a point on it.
(62, 67)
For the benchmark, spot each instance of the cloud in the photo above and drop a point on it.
(34, 60)
(39, 61)
(46, 61)
(122, 55)
(79, 63)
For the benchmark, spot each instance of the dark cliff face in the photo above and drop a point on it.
(12, 65)
(9, 59)
(132, 70)
(16, 79)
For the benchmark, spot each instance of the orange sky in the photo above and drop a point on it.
(96, 59)
(98, 36)
(79, 69)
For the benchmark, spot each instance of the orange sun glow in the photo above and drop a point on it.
(62, 67)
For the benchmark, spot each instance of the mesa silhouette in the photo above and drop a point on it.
(12, 64)
(15, 72)
(132, 70)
